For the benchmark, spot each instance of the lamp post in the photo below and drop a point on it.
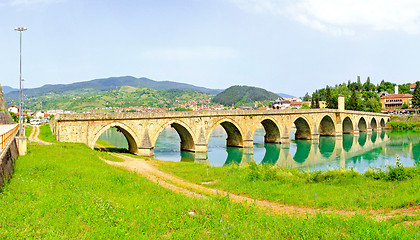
(20, 30)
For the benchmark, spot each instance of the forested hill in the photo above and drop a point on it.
(105, 84)
(243, 96)
(121, 97)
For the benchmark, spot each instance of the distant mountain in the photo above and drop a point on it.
(285, 95)
(7, 89)
(107, 84)
(243, 95)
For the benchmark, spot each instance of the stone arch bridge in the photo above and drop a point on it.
(195, 127)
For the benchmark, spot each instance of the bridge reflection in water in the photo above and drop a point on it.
(376, 149)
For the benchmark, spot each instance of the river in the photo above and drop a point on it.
(376, 149)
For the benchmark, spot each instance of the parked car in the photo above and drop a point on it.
(35, 121)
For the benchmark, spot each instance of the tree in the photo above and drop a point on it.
(14, 117)
(353, 101)
(305, 106)
(306, 97)
(404, 106)
(313, 101)
(416, 96)
(329, 101)
(317, 100)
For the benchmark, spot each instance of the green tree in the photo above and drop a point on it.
(329, 101)
(317, 100)
(306, 97)
(404, 106)
(14, 117)
(404, 88)
(313, 101)
(416, 96)
(305, 106)
(353, 101)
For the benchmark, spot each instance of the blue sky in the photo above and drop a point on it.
(281, 45)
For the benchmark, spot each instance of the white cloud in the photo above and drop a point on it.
(345, 17)
(195, 53)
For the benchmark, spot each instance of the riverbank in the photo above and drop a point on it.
(411, 121)
(66, 191)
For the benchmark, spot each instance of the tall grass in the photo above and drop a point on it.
(46, 135)
(404, 125)
(335, 188)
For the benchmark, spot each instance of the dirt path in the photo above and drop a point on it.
(33, 137)
(191, 189)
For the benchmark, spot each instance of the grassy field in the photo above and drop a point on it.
(339, 189)
(28, 130)
(64, 191)
(46, 135)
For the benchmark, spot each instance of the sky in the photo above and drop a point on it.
(287, 46)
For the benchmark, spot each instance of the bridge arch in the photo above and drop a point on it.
(233, 131)
(272, 131)
(184, 132)
(373, 124)
(362, 125)
(327, 126)
(129, 134)
(303, 130)
(347, 125)
(382, 123)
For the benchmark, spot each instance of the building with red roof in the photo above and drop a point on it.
(394, 101)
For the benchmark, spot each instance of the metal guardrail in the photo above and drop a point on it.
(5, 137)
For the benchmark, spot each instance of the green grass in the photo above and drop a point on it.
(46, 135)
(338, 189)
(404, 125)
(28, 130)
(63, 191)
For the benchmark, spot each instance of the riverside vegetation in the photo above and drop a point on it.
(66, 191)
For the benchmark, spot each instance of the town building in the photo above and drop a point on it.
(14, 109)
(412, 87)
(394, 101)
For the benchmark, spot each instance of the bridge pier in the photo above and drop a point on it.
(200, 148)
(285, 139)
(315, 136)
(146, 152)
(249, 143)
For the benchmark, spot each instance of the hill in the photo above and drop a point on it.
(108, 84)
(285, 95)
(121, 97)
(7, 89)
(243, 95)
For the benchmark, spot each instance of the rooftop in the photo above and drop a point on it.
(405, 95)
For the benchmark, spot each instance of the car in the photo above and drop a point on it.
(35, 121)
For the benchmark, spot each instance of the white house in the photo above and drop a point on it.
(14, 109)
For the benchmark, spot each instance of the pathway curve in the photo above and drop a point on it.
(191, 189)
(171, 182)
(33, 137)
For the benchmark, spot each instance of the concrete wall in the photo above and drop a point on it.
(7, 159)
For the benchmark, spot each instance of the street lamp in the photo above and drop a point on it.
(20, 30)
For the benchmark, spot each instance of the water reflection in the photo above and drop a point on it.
(326, 145)
(376, 149)
(347, 141)
(362, 138)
